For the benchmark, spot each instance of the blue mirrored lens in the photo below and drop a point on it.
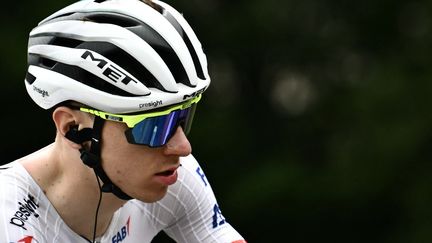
(156, 131)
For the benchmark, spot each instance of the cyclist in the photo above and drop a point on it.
(122, 79)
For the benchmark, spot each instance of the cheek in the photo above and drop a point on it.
(134, 176)
(113, 148)
(113, 138)
(131, 167)
(126, 169)
(121, 159)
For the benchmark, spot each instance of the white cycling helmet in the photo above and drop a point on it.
(118, 56)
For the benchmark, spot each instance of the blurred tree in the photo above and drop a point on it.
(316, 126)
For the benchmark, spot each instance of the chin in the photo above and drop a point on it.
(154, 196)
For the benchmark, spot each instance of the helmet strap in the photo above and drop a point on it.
(91, 157)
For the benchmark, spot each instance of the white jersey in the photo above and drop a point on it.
(188, 213)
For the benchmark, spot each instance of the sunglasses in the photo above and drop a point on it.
(154, 129)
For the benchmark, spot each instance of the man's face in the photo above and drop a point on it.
(141, 172)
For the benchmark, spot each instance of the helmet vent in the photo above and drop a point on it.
(111, 18)
(30, 78)
(65, 42)
(40, 61)
(186, 39)
(148, 34)
(49, 39)
(161, 46)
(47, 63)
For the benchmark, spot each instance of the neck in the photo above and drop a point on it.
(72, 189)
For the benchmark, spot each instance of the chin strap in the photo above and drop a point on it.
(91, 157)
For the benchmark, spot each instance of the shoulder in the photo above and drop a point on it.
(24, 209)
(14, 180)
(18, 204)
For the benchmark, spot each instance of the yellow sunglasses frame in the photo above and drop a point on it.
(132, 120)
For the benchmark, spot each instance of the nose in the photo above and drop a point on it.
(178, 144)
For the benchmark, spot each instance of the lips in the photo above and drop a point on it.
(167, 177)
(166, 173)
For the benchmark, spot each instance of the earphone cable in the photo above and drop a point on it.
(97, 209)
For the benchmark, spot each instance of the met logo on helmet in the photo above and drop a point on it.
(110, 71)
(194, 94)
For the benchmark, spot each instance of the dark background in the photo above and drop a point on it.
(316, 127)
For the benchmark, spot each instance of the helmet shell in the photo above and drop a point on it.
(118, 56)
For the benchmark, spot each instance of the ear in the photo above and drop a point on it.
(66, 119)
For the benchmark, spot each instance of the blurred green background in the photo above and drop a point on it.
(316, 127)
